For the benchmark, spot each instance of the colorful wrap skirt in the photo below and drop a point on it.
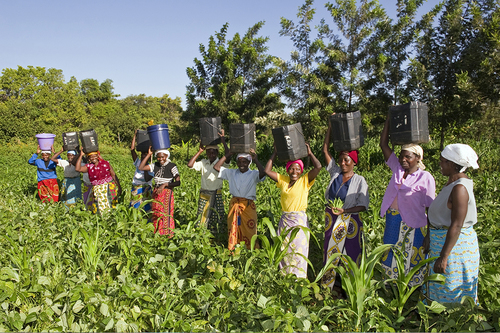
(462, 269)
(343, 234)
(48, 190)
(163, 211)
(88, 196)
(398, 232)
(241, 222)
(105, 197)
(298, 248)
(141, 193)
(211, 212)
(71, 190)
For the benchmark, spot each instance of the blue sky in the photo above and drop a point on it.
(143, 46)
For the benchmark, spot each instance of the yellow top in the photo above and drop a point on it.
(294, 199)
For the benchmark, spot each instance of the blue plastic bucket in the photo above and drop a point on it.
(159, 137)
(45, 140)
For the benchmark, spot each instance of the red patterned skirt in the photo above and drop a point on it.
(48, 190)
(163, 211)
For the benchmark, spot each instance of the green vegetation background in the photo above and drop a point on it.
(66, 270)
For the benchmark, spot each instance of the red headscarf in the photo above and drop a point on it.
(353, 154)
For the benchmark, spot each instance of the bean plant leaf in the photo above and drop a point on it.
(104, 309)
(43, 280)
(78, 306)
(110, 324)
(262, 301)
(436, 307)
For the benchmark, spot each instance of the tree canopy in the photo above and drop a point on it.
(357, 58)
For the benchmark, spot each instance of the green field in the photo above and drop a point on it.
(68, 270)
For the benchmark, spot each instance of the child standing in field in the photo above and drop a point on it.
(72, 185)
(48, 189)
(142, 181)
(242, 217)
(211, 203)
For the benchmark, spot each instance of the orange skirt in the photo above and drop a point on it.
(241, 222)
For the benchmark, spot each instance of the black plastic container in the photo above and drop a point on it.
(242, 137)
(290, 142)
(70, 141)
(209, 130)
(409, 123)
(142, 141)
(347, 131)
(88, 140)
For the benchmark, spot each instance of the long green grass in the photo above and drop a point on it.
(68, 270)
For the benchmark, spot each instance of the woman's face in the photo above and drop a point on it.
(162, 158)
(242, 164)
(408, 160)
(212, 154)
(93, 159)
(346, 163)
(447, 166)
(71, 157)
(45, 157)
(294, 171)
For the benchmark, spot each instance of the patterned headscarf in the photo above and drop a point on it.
(417, 150)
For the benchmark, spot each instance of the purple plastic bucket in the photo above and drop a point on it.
(45, 140)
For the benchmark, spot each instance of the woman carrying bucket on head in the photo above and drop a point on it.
(409, 194)
(242, 217)
(166, 178)
(294, 193)
(48, 188)
(343, 227)
(142, 181)
(72, 185)
(105, 184)
(211, 203)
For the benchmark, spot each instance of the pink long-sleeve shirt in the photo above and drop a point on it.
(414, 195)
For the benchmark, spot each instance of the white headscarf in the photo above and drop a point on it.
(417, 150)
(71, 152)
(244, 155)
(164, 151)
(46, 152)
(461, 154)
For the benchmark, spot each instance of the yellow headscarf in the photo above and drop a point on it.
(417, 150)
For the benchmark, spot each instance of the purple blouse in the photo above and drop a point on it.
(415, 194)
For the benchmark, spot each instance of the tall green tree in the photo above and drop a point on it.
(95, 92)
(234, 79)
(452, 54)
(479, 81)
(308, 80)
(352, 51)
(398, 38)
(35, 100)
